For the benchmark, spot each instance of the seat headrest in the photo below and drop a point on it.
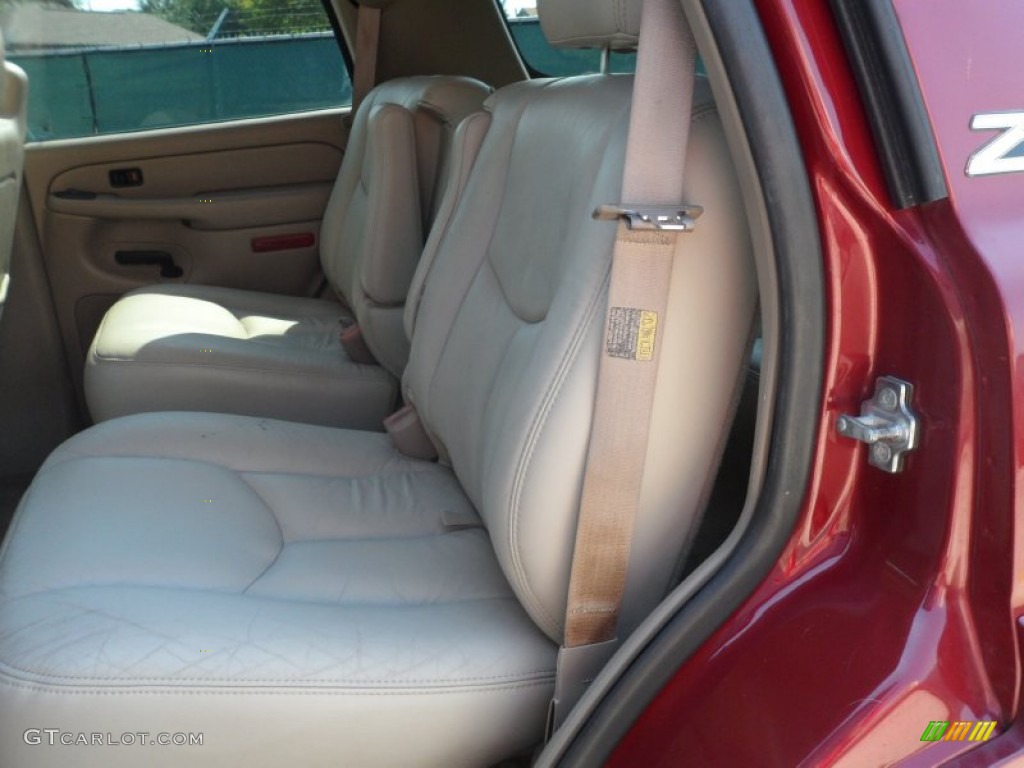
(613, 24)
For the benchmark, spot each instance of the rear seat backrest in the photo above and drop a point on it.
(383, 204)
(509, 329)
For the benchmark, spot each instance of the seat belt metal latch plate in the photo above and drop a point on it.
(670, 218)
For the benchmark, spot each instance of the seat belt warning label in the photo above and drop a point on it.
(631, 333)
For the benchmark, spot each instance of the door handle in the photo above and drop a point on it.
(162, 259)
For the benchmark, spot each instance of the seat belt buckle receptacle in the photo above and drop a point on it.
(354, 344)
(408, 434)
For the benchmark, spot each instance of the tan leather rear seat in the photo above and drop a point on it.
(192, 347)
(299, 593)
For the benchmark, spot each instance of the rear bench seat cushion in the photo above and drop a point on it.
(285, 589)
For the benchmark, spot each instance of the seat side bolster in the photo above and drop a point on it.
(394, 226)
(469, 136)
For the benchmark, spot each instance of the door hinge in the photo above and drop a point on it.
(886, 423)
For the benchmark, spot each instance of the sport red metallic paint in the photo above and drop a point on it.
(898, 599)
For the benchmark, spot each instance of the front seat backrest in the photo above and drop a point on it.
(14, 85)
(385, 198)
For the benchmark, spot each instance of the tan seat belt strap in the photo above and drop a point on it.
(365, 64)
(651, 219)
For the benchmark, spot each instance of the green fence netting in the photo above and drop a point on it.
(103, 90)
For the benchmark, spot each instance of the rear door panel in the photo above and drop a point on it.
(206, 193)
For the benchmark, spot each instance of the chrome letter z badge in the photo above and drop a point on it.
(1005, 153)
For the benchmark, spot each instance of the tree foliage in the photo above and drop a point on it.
(245, 17)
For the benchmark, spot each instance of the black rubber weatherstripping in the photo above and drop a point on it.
(895, 108)
(779, 164)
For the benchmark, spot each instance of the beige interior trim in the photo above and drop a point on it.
(265, 206)
(37, 407)
(409, 22)
(364, 76)
(46, 161)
